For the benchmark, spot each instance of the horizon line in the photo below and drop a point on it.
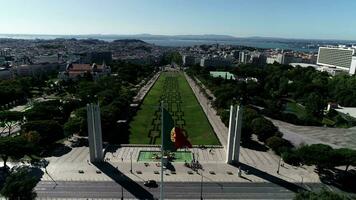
(176, 35)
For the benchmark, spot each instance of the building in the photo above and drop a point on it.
(96, 57)
(222, 74)
(215, 62)
(340, 58)
(258, 59)
(37, 69)
(74, 71)
(5, 73)
(190, 60)
(42, 59)
(244, 57)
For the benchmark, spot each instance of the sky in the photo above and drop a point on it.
(309, 19)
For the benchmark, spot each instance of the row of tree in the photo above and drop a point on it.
(320, 155)
(278, 84)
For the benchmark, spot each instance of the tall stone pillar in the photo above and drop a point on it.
(234, 135)
(94, 133)
(237, 139)
(231, 133)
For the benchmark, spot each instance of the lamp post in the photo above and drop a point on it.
(279, 164)
(201, 185)
(122, 192)
(131, 162)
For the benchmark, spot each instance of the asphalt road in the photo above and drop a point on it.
(173, 190)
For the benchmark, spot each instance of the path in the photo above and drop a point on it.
(219, 127)
(145, 89)
(335, 137)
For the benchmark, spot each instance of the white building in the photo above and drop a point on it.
(340, 58)
(215, 62)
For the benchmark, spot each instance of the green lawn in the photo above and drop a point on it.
(146, 124)
(298, 110)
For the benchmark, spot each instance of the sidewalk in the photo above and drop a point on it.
(145, 89)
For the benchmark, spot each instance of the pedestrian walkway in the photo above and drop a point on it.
(145, 89)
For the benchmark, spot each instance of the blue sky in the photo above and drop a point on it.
(319, 19)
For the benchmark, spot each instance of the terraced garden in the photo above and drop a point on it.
(179, 99)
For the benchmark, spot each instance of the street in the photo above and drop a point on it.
(172, 190)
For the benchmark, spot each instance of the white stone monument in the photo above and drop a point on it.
(234, 135)
(94, 133)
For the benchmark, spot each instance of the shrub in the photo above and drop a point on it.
(278, 145)
(263, 128)
(323, 194)
(316, 154)
(291, 157)
(20, 185)
(50, 131)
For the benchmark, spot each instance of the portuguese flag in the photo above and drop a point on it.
(173, 137)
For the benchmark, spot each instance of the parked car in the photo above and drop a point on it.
(150, 183)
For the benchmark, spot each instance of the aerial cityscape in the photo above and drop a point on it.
(172, 99)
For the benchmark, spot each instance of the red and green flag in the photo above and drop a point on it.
(173, 137)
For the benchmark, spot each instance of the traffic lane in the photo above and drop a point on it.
(172, 190)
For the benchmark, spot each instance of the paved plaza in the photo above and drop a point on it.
(258, 168)
(66, 167)
(335, 137)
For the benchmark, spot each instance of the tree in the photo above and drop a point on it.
(172, 57)
(291, 157)
(73, 126)
(14, 147)
(263, 128)
(316, 154)
(278, 144)
(50, 131)
(49, 110)
(9, 118)
(344, 156)
(248, 115)
(322, 195)
(20, 184)
(314, 104)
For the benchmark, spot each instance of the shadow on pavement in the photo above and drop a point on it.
(273, 179)
(254, 145)
(344, 180)
(56, 150)
(131, 186)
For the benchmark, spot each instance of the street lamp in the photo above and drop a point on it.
(131, 162)
(122, 190)
(201, 185)
(279, 164)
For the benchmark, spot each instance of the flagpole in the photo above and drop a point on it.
(162, 134)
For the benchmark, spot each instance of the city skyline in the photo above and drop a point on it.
(281, 19)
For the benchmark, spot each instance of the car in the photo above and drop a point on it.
(150, 183)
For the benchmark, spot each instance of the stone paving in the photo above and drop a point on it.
(335, 137)
(66, 167)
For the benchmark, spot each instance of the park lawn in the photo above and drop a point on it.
(296, 109)
(197, 126)
(141, 123)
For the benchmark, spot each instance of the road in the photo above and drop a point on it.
(173, 190)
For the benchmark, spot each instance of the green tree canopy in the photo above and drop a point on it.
(263, 128)
(20, 184)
